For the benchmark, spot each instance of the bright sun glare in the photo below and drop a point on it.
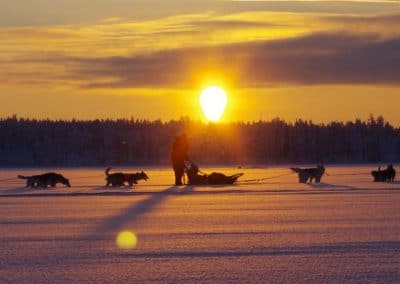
(213, 101)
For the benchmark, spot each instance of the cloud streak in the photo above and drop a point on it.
(245, 49)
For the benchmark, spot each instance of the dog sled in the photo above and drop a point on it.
(197, 177)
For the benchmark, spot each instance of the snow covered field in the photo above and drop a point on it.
(346, 229)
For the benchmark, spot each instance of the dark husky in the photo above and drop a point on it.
(384, 175)
(119, 179)
(310, 173)
(196, 177)
(45, 180)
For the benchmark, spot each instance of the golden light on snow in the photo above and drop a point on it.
(126, 240)
(213, 101)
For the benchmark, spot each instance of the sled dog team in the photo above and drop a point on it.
(123, 179)
(114, 179)
(310, 174)
(195, 177)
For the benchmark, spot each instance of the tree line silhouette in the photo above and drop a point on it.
(131, 142)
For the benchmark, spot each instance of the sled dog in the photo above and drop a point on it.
(310, 174)
(384, 175)
(45, 180)
(119, 179)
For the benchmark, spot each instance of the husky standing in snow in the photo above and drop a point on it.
(309, 174)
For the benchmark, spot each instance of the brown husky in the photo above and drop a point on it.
(45, 180)
(119, 179)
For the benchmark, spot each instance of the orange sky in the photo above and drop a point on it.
(318, 60)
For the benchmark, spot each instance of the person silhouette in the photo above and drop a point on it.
(179, 155)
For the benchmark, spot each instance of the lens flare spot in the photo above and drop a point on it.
(126, 240)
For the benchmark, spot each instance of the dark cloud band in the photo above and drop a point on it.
(333, 58)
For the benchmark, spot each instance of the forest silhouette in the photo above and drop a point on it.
(132, 142)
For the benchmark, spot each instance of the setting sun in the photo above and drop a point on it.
(213, 101)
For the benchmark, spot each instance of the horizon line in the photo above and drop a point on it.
(374, 117)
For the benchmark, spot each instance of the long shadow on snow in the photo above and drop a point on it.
(323, 185)
(189, 190)
(17, 190)
(389, 248)
(135, 212)
(342, 248)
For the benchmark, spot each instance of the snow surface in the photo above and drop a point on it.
(346, 229)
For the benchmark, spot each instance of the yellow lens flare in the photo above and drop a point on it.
(213, 101)
(126, 240)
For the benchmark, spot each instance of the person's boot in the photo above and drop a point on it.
(178, 181)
